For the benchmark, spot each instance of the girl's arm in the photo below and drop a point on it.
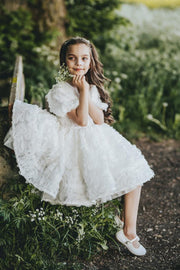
(86, 106)
(96, 114)
(80, 114)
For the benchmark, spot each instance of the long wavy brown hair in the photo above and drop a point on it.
(95, 74)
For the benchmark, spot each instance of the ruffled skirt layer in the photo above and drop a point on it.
(73, 165)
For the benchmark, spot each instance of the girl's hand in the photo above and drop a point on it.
(80, 82)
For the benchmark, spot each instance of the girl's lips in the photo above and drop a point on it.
(78, 69)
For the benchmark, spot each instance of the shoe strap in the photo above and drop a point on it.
(134, 239)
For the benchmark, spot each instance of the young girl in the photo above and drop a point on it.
(69, 151)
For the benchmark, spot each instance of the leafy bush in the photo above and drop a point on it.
(36, 233)
(19, 35)
(143, 63)
(40, 73)
(93, 19)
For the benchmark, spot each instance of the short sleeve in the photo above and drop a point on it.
(62, 98)
(96, 98)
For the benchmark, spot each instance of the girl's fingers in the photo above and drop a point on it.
(78, 78)
(75, 79)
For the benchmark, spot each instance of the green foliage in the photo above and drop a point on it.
(93, 19)
(143, 63)
(19, 34)
(36, 233)
(16, 30)
(40, 75)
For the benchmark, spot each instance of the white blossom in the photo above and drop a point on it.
(117, 80)
(165, 104)
(149, 116)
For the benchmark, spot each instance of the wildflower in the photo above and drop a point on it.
(149, 116)
(37, 49)
(114, 72)
(124, 76)
(117, 80)
(165, 104)
(81, 232)
(63, 74)
(34, 190)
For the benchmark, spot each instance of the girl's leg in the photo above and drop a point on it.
(131, 204)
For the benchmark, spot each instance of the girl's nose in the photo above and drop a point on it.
(78, 62)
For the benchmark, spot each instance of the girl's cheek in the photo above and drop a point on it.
(69, 63)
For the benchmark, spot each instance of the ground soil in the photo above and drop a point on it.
(158, 215)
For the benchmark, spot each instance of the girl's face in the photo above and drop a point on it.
(78, 59)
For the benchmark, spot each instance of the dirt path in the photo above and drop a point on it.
(158, 215)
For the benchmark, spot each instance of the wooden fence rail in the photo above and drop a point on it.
(18, 85)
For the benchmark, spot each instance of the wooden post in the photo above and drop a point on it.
(18, 85)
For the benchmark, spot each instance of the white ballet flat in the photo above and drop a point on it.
(140, 251)
(120, 223)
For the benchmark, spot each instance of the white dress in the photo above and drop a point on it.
(71, 164)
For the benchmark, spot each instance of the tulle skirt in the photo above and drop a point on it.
(73, 165)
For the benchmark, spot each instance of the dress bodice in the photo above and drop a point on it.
(63, 98)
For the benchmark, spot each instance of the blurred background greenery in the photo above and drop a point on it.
(140, 49)
(157, 3)
(138, 46)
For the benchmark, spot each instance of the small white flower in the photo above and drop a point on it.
(117, 80)
(165, 104)
(114, 72)
(124, 76)
(37, 49)
(149, 116)
(63, 74)
(32, 219)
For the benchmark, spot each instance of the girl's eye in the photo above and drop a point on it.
(85, 58)
(70, 58)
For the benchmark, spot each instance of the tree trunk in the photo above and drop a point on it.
(48, 14)
(12, 5)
